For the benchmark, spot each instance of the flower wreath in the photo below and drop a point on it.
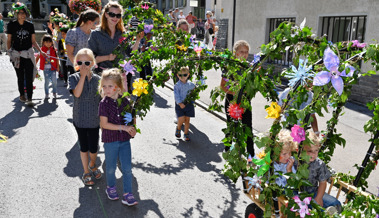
(16, 7)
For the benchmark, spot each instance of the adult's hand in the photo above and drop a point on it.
(111, 57)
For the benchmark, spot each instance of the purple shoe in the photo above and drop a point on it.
(112, 193)
(129, 200)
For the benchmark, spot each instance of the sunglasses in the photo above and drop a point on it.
(87, 63)
(183, 75)
(111, 14)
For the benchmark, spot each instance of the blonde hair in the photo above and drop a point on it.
(240, 43)
(184, 69)
(316, 141)
(113, 74)
(104, 22)
(85, 51)
(285, 140)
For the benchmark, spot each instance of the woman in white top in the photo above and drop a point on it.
(181, 15)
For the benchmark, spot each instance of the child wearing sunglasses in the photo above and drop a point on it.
(184, 110)
(84, 85)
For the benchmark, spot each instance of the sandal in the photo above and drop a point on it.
(177, 133)
(87, 179)
(96, 173)
(186, 137)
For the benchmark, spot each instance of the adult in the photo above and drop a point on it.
(181, 15)
(21, 38)
(209, 29)
(191, 21)
(3, 36)
(213, 17)
(241, 50)
(104, 39)
(171, 17)
(200, 28)
(77, 38)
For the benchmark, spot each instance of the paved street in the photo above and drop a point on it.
(40, 166)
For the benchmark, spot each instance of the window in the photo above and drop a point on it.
(163, 5)
(344, 28)
(177, 3)
(171, 1)
(184, 3)
(274, 23)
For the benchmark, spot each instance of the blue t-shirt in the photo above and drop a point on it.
(1, 26)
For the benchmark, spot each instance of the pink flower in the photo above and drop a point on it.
(303, 206)
(357, 44)
(52, 13)
(121, 39)
(145, 6)
(198, 50)
(298, 133)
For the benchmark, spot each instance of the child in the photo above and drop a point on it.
(49, 64)
(115, 135)
(318, 175)
(63, 53)
(286, 161)
(183, 111)
(84, 85)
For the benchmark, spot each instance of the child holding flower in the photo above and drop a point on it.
(184, 110)
(116, 135)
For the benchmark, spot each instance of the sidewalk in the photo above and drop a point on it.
(350, 125)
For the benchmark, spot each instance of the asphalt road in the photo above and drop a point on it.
(40, 166)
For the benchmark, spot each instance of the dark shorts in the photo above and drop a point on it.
(188, 111)
(88, 139)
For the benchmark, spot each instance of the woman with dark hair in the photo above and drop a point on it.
(107, 36)
(77, 38)
(21, 38)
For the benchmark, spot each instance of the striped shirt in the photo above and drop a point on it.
(109, 108)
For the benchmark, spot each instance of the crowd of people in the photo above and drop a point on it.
(75, 52)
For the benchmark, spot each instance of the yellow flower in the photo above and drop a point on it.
(158, 12)
(261, 155)
(273, 111)
(155, 19)
(182, 47)
(140, 87)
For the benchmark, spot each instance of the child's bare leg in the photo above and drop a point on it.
(186, 125)
(181, 120)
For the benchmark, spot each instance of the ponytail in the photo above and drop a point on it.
(87, 15)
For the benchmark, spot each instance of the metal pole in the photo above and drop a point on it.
(364, 164)
(234, 21)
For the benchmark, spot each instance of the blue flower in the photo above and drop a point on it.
(299, 74)
(208, 52)
(257, 58)
(128, 118)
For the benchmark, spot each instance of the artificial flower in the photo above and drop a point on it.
(158, 12)
(52, 13)
(303, 210)
(300, 74)
(128, 118)
(3, 138)
(128, 67)
(121, 39)
(257, 58)
(153, 48)
(181, 47)
(208, 52)
(332, 63)
(235, 111)
(297, 133)
(198, 50)
(264, 164)
(273, 111)
(147, 28)
(357, 44)
(192, 38)
(253, 182)
(140, 87)
(261, 155)
(145, 6)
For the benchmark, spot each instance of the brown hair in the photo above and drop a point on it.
(104, 23)
(113, 74)
(87, 15)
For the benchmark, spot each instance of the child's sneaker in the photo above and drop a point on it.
(47, 96)
(177, 133)
(186, 137)
(55, 95)
(112, 193)
(129, 200)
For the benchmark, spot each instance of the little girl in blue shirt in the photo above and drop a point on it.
(116, 135)
(184, 110)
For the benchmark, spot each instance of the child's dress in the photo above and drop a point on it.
(282, 167)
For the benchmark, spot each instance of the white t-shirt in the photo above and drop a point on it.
(181, 17)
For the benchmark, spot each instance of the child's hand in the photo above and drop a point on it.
(291, 161)
(140, 35)
(130, 129)
(182, 106)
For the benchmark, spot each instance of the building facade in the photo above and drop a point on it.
(340, 20)
(197, 7)
(46, 6)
